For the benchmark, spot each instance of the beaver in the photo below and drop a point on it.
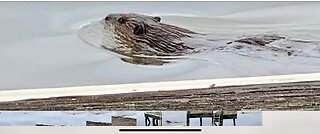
(147, 35)
(139, 37)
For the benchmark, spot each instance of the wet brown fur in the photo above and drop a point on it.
(147, 35)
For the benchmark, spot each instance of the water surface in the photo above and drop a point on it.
(40, 47)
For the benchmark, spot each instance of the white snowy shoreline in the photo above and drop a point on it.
(12, 95)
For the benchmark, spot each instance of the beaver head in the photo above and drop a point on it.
(141, 34)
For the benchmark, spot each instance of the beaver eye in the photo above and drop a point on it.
(158, 19)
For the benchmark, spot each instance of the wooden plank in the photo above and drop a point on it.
(279, 96)
(226, 114)
(156, 115)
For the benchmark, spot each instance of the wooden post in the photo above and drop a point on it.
(212, 121)
(153, 122)
(188, 118)
(148, 121)
(160, 118)
(145, 120)
(221, 119)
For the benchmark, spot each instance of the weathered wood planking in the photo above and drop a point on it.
(283, 96)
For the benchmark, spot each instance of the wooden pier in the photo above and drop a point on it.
(217, 117)
(156, 117)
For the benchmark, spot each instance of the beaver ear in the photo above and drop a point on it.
(138, 29)
(158, 19)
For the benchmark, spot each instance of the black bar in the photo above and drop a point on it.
(167, 130)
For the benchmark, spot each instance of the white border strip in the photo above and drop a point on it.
(22, 94)
(154, 1)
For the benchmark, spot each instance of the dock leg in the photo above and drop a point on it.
(145, 120)
(153, 122)
(212, 121)
(221, 119)
(188, 118)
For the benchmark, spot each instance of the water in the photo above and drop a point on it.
(40, 47)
